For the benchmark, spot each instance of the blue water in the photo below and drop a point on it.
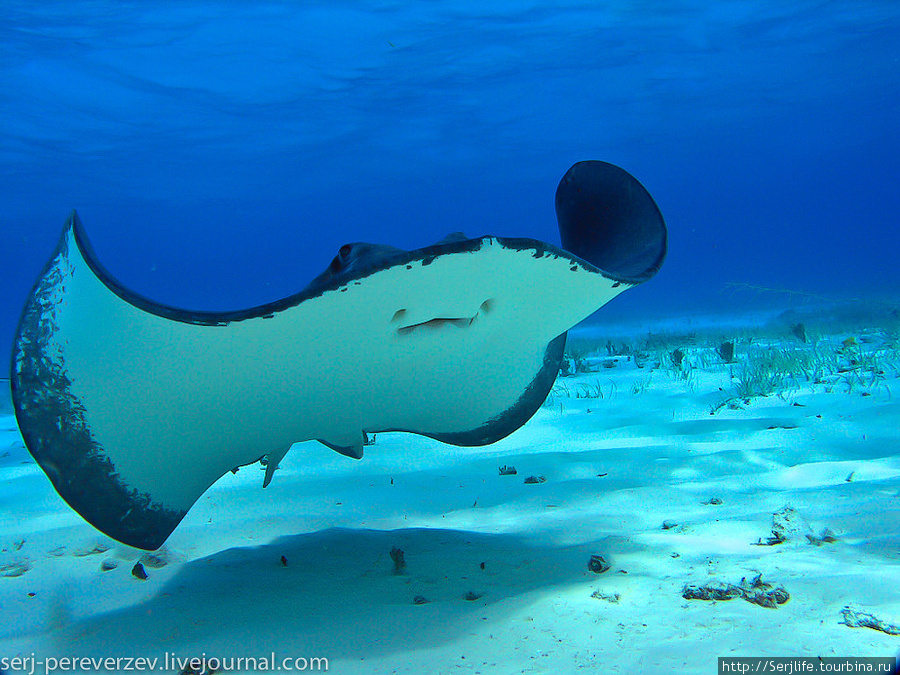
(219, 152)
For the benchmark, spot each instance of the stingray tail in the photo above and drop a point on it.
(607, 218)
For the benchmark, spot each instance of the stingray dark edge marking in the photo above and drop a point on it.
(65, 449)
(319, 285)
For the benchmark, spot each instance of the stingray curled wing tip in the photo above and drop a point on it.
(608, 218)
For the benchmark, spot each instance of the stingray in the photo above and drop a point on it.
(134, 408)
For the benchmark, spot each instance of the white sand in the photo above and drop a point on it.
(224, 591)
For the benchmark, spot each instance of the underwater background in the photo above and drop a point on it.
(220, 152)
(699, 482)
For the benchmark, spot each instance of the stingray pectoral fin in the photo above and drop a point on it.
(106, 398)
(273, 459)
(609, 219)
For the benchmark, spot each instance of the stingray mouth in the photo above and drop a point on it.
(436, 324)
(440, 322)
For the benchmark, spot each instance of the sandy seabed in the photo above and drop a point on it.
(679, 471)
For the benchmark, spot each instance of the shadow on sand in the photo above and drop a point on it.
(339, 595)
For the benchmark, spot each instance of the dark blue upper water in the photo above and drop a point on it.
(220, 152)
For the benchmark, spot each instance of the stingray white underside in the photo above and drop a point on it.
(427, 347)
